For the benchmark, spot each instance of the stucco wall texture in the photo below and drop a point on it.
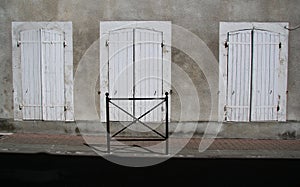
(200, 17)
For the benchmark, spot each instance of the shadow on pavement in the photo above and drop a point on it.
(62, 170)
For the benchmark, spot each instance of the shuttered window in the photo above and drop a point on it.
(253, 71)
(135, 70)
(42, 66)
(42, 62)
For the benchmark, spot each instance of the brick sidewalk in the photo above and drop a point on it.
(191, 148)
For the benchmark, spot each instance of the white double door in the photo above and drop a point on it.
(42, 62)
(253, 74)
(136, 71)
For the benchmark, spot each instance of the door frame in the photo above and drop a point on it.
(278, 27)
(66, 28)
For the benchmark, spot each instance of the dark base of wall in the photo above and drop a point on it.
(266, 130)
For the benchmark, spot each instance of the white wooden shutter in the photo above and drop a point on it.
(148, 73)
(121, 72)
(265, 76)
(31, 75)
(136, 70)
(53, 75)
(239, 76)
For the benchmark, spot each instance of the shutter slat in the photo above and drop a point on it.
(30, 60)
(265, 81)
(149, 76)
(53, 75)
(121, 72)
(239, 64)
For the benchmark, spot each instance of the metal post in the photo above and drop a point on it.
(167, 115)
(167, 146)
(107, 123)
(167, 123)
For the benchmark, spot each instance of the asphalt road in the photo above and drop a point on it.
(64, 170)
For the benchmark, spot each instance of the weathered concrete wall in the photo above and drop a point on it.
(200, 17)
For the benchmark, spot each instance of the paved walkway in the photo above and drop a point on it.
(180, 147)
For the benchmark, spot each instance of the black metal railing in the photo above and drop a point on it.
(137, 119)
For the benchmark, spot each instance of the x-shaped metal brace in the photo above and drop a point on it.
(137, 119)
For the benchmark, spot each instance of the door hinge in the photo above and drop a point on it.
(65, 43)
(226, 44)
(107, 43)
(162, 44)
(225, 113)
(18, 43)
(280, 45)
(278, 103)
